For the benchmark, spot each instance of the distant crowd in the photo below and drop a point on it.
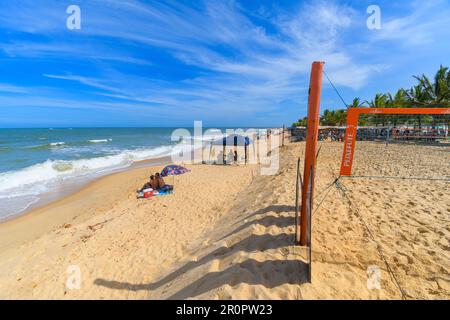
(325, 134)
(374, 133)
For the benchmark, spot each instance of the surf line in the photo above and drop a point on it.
(186, 310)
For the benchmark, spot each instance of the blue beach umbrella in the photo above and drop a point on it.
(234, 140)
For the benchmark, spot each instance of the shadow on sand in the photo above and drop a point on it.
(267, 221)
(272, 208)
(270, 273)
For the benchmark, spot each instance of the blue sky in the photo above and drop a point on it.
(227, 63)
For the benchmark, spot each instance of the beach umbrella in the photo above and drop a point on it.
(173, 170)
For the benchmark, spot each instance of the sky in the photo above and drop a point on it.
(226, 63)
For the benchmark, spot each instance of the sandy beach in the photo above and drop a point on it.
(224, 150)
(228, 233)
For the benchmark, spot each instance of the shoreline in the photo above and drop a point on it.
(61, 189)
(41, 217)
(72, 187)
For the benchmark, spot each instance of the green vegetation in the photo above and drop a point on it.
(426, 93)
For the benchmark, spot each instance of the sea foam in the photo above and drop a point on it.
(99, 140)
(52, 170)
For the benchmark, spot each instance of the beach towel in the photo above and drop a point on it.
(150, 193)
(163, 193)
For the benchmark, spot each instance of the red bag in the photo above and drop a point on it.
(148, 194)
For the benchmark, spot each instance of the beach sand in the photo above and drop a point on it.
(228, 233)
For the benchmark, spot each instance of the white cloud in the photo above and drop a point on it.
(428, 22)
(243, 67)
(12, 89)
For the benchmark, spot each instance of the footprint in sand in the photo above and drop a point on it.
(422, 230)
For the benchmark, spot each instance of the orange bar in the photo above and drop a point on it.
(315, 90)
(349, 141)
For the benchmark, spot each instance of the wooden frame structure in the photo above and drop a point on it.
(352, 127)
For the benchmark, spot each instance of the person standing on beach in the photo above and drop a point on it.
(230, 157)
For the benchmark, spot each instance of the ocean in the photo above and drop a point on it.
(37, 164)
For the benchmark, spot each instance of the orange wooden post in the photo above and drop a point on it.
(315, 89)
(349, 142)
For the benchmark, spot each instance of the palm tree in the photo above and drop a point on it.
(340, 117)
(328, 118)
(431, 94)
(399, 100)
(301, 122)
(334, 117)
(435, 93)
(416, 96)
(426, 93)
(356, 103)
(380, 101)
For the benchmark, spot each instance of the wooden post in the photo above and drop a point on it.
(298, 185)
(315, 90)
(245, 151)
(282, 144)
(223, 155)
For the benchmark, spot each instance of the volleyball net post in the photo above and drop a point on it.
(315, 90)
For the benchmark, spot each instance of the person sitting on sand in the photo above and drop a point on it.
(149, 185)
(161, 184)
(154, 182)
(159, 180)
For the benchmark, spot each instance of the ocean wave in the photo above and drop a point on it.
(61, 144)
(13, 206)
(56, 144)
(52, 171)
(100, 140)
(46, 146)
